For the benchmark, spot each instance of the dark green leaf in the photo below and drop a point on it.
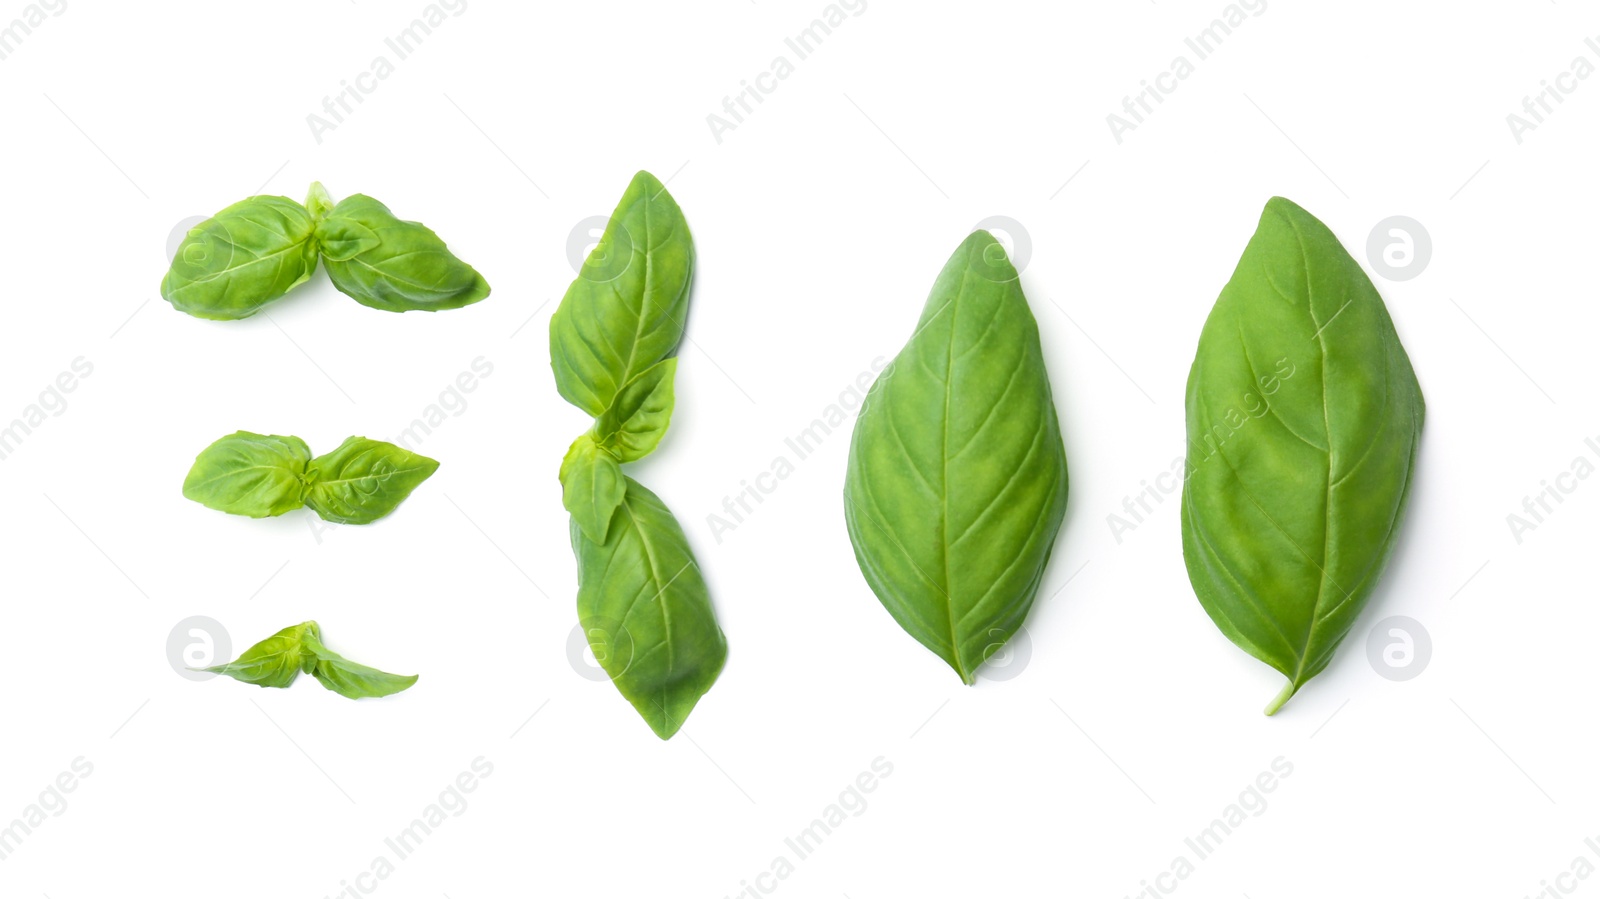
(957, 481)
(364, 480)
(1304, 418)
(259, 475)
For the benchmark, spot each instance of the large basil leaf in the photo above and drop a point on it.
(241, 259)
(364, 480)
(398, 266)
(275, 661)
(1304, 418)
(633, 425)
(644, 605)
(259, 475)
(591, 486)
(626, 310)
(957, 480)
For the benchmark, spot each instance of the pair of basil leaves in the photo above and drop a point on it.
(264, 475)
(255, 251)
(1294, 486)
(642, 601)
(284, 656)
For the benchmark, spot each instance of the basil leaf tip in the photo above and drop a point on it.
(1304, 418)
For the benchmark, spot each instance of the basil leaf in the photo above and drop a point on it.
(957, 480)
(241, 259)
(626, 310)
(633, 425)
(364, 480)
(259, 475)
(275, 661)
(398, 266)
(349, 679)
(318, 203)
(1304, 418)
(645, 607)
(591, 487)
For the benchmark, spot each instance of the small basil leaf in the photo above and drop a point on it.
(364, 480)
(275, 661)
(626, 310)
(259, 475)
(956, 482)
(318, 203)
(591, 487)
(645, 607)
(350, 679)
(398, 266)
(1304, 417)
(637, 419)
(241, 259)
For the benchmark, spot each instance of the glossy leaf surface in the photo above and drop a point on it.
(1304, 418)
(957, 479)
(241, 259)
(591, 487)
(386, 263)
(647, 612)
(637, 419)
(364, 480)
(259, 475)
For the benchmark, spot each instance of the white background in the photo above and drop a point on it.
(820, 222)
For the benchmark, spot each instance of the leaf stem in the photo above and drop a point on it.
(1282, 697)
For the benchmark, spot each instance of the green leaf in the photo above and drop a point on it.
(349, 679)
(318, 203)
(637, 419)
(259, 475)
(645, 607)
(275, 661)
(591, 487)
(398, 266)
(956, 482)
(364, 480)
(241, 259)
(626, 310)
(1304, 418)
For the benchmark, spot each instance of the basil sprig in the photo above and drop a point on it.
(265, 475)
(284, 656)
(641, 598)
(257, 250)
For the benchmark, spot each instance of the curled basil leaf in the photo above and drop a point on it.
(275, 661)
(364, 480)
(241, 259)
(633, 425)
(278, 660)
(1304, 417)
(626, 310)
(259, 475)
(386, 263)
(645, 607)
(956, 482)
(591, 486)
